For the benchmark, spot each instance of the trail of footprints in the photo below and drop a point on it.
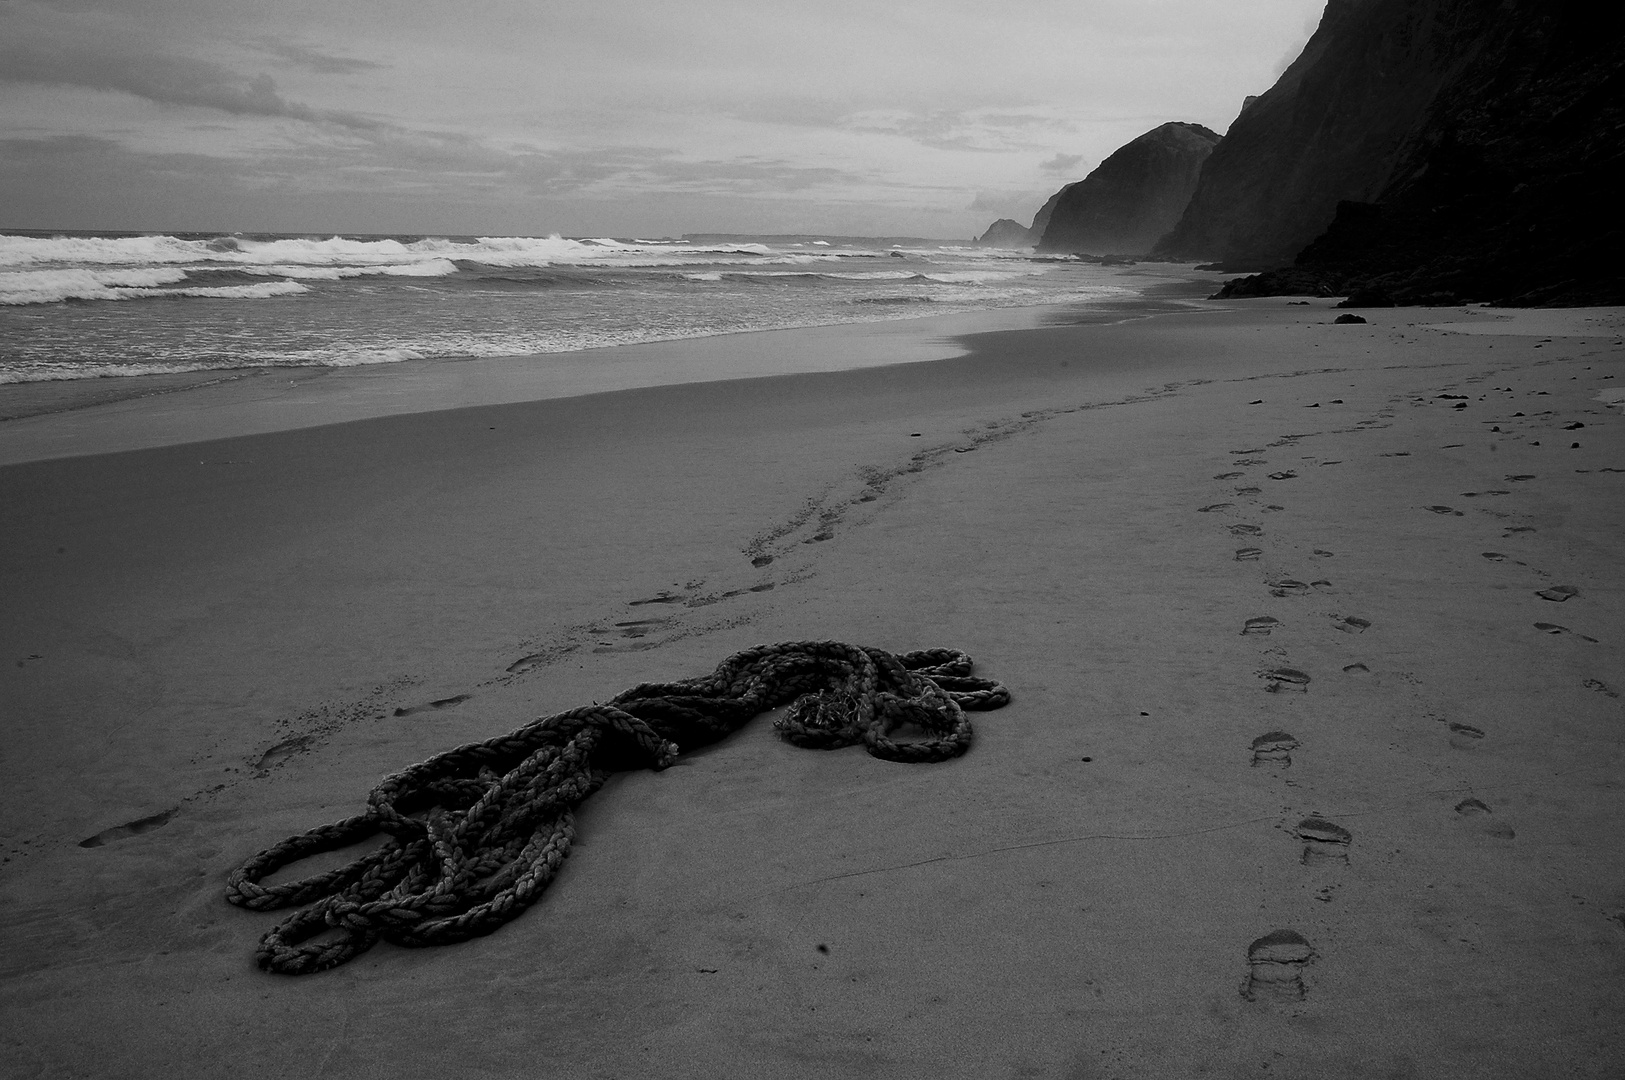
(1277, 962)
(649, 621)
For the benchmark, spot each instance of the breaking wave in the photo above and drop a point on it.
(54, 286)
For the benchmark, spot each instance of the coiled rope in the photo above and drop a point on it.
(475, 834)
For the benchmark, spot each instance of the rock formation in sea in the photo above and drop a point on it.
(1132, 198)
(1428, 151)
(1006, 233)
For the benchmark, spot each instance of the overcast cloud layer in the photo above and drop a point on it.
(599, 117)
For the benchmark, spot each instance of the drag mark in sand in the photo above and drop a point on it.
(1028, 846)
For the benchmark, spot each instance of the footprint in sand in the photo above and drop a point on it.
(130, 828)
(1476, 811)
(1558, 593)
(1228, 475)
(636, 628)
(1263, 624)
(1554, 628)
(1213, 506)
(1447, 510)
(1321, 553)
(1248, 491)
(1275, 964)
(1248, 554)
(1285, 680)
(1288, 587)
(1245, 530)
(439, 703)
(1600, 687)
(1356, 669)
(284, 750)
(1494, 556)
(671, 597)
(1273, 750)
(1465, 736)
(1287, 475)
(1323, 842)
(1352, 624)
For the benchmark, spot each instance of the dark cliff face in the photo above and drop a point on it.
(1132, 199)
(1045, 212)
(1330, 129)
(1508, 191)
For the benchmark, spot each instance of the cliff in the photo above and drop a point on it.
(1506, 188)
(1331, 129)
(1132, 198)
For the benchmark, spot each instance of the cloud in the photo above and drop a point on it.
(86, 52)
(1061, 163)
(1021, 205)
(974, 130)
(314, 59)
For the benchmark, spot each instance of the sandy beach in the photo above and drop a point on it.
(1314, 767)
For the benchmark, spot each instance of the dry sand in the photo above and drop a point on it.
(209, 646)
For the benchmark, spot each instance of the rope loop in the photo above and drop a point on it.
(472, 836)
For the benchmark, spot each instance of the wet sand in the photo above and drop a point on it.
(1311, 770)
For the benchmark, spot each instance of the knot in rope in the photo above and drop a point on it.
(473, 835)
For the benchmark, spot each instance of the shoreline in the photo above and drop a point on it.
(120, 413)
(1137, 527)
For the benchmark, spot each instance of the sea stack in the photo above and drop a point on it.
(1006, 233)
(1134, 196)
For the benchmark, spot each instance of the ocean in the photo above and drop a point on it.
(91, 305)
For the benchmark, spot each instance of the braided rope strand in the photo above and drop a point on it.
(473, 836)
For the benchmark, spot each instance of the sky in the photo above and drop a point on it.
(630, 118)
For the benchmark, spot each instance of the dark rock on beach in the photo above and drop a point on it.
(1132, 198)
(1428, 152)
